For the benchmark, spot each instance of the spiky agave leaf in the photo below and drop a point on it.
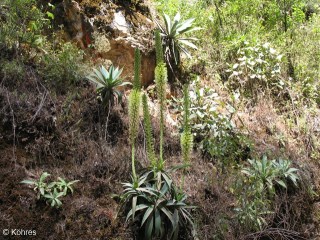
(148, 129)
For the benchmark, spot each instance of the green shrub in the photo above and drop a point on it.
(21, 22)
(12, 71)
(257, 70)
(160, 208)
(305, 56)
(211, 125)
(53, 191)
(256, 188)
(63, 67)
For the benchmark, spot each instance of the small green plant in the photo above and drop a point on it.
(107, 82)
(65, 186)
(53, 198)
(40, 186)
(160, 208)
(266, 173)
(53, 191)
(256, 189)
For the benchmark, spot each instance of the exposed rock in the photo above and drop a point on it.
(119, 23)
(78, 25)
(121, 53)
(119, 28)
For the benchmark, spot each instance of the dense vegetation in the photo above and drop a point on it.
(224, 144)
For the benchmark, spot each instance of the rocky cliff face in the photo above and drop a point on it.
(113, 31)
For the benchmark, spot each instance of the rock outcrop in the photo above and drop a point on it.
(124, 28)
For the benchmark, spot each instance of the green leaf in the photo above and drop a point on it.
(281, 183)
(175, 220)
(168, 214)
(134, 205)
(60, 194)
(167, 22)
(146, 215)
(50, 15)
(189, 44)
(52, 184)
(149, 228)
(167, 179)
(28, 182)
(138, 208)
(42, 191)
(49, 196)
(157, 222)
(185, 26)
(43, 176)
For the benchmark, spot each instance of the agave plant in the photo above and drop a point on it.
(174, 40)
(160, 210)
(107, 82)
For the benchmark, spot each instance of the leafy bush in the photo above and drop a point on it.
(256, 189)
(12, 71)
(267, 173)
(211, 124)
(307, 73)
(53, 191)
(257, 70)
(21, 23)
(62, 67)
(107, 83)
